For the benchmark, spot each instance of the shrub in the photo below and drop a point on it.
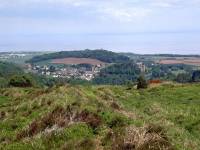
(196, 76)
(21, 81)
(142, 83)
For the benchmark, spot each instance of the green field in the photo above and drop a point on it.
(101, 117)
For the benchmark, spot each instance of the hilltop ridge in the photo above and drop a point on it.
(102, 55)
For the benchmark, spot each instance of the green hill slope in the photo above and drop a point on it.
(100, 117)
(9, 69)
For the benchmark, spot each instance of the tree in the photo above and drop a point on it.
(196, 76)
(142, 83)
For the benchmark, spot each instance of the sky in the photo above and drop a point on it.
(138, 26)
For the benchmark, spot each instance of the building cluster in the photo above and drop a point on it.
(141, 66)
(84, 73)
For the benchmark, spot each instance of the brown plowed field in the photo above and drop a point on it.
(195, 61)
(77, 61)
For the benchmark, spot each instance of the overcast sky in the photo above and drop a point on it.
(138, 26)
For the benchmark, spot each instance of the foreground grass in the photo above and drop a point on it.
(100, 117)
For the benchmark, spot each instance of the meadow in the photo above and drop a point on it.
(166, 116)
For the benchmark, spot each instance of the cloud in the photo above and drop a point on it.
(175, 3)
(113, 9)
(126, 11)
(162, 4)
(124, 14)
(8, 3)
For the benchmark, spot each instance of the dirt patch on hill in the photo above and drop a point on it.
(77, 61)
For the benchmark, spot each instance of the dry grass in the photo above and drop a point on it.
(150, 137)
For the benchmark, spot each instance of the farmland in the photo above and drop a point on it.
(186, 61)
(77, 61)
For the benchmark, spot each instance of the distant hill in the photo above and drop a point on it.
(102, 55)
(156, 55)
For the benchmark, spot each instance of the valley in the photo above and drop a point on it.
(98, 100)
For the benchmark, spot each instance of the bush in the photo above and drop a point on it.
(21, 81)
(196, 76)
(142, 83)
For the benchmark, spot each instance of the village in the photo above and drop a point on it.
(84, 71)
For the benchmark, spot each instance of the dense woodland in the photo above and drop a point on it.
(169, 72)
(118, 74)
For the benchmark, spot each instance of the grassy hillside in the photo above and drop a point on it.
(100, 117)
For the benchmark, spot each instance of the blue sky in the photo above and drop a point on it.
(138, 26)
